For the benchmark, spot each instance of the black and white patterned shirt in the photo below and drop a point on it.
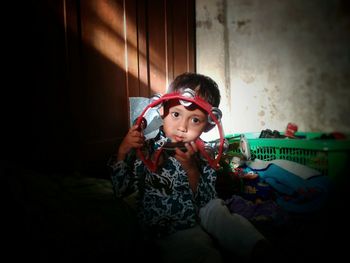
(165, 201)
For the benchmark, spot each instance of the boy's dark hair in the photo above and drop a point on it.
(204, 86)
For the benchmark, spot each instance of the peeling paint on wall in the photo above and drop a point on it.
(278, 62)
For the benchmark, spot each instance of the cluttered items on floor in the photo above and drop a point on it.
(291, 189)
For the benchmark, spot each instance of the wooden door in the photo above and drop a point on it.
(90, 57)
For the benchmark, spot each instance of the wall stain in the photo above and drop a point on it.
(221, 17)
(206, 23)
(222, 6)
(242, 23)
(243, 26)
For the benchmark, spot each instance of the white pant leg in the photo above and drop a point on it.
(191, 245)
(232, 231)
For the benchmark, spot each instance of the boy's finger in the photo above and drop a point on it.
(179, 152)
(194, 146)
(189, 148)
(135, 127)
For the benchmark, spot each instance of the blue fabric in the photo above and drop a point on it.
(287, 182)
(294, 193)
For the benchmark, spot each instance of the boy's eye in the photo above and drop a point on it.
(175, 114)
(196, 120)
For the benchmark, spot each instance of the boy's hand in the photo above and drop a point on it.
(186, 158)
(133, 139)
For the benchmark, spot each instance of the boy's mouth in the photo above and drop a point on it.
(178, 138)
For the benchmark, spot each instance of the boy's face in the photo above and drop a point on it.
(183, 124)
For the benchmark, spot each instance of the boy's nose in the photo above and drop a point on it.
(182, 126)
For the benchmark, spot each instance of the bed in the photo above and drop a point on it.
(66, 217)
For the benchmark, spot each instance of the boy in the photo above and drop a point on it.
(177, 205)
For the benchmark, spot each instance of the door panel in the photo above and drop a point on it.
(90, 57)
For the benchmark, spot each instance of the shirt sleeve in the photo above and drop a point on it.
(123, 177)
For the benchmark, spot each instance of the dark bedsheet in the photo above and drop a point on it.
(66, 217)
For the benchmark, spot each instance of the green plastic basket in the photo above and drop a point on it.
(329, 156)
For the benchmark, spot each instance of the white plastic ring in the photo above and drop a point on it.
(154, 98)
(188, 93)
(217, 113)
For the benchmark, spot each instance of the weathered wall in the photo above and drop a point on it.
(277, 62)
